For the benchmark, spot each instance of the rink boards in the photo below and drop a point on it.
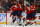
(3, 17)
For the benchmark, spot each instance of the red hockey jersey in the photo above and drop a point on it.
(18, 5)
(20, 9)
(32, 8)
(28, 11)
(13, 8)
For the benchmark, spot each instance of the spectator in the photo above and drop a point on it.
(6, 6)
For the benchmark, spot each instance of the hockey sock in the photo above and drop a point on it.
(18, 21)
(13, 20)
(27, 21)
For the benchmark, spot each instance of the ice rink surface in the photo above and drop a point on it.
(3, 25)
(16, 25)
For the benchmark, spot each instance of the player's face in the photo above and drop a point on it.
(18, 2)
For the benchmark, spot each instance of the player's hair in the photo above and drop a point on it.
(14, 4)
(31, 4)
(27, 5)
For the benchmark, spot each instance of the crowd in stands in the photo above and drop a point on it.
(37, 4)
(6, 4)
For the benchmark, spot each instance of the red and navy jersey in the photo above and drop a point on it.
(32, 8)
(18, 5)
(28, 11)
(13, 8)
(20, 9)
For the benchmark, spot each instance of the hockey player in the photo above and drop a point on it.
(33, 12)
(14, 12)
(20, 13)
(18, 4)
(28, 12)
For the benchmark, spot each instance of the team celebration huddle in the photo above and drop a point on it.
(17, 10)
(23, 12)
